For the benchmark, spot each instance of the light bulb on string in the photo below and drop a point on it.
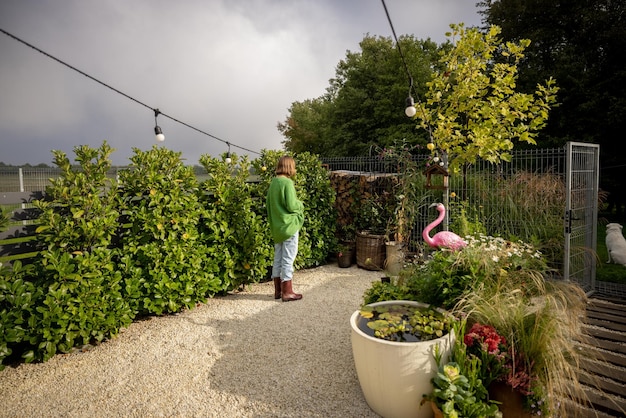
(410, 110)
(228, 160)
(157, 129)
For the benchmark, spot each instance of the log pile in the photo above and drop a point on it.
(353, 188)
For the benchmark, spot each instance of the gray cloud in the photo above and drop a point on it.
(229, 68)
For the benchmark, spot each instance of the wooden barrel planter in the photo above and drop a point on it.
(370, 251)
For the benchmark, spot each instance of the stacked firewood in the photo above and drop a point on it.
(352, 188)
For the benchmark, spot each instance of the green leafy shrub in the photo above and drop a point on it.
(18, 301)
(4, 220)
(154, 243)
(80, 210)
(234, 227)
(317, 237)
(445, 278)
(382, 291)
(82, 302)
(167, 265)
(73, 287)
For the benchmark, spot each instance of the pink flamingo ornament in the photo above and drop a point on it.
(443, 239)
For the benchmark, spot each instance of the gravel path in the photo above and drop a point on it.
(242, 355)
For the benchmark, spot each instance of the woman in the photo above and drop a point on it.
(285, 214)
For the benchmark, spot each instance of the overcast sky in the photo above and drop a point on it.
(230, 68)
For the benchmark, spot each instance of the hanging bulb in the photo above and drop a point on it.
(430, 146)
(157, 129)
(410, 110)
(228, 160)
(159, 134)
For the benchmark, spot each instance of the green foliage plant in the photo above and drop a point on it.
(234, 228)
(4, 220)
(472, 109)
(458, 387)
(507, 285)
(76, 289)
(409, 191)
(447, 276)
(80, 209)
(166, 265)
(543, 330)
(317, 237)
(381, 291)
(373, 214)
(18, 303)
(156, 242)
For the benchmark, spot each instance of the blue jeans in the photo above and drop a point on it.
(284, 256)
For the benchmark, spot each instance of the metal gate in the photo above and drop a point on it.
(581, 214)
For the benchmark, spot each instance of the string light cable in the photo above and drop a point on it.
(409, 101)
(156, 111)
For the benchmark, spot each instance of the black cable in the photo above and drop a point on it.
(406, 67)
(122, 93)
(393, 31)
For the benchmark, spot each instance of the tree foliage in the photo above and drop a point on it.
(580, 43)
(472, 107)
(363, 105)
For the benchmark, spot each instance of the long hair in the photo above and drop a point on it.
(286, 166)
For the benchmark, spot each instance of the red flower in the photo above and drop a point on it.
(485, 338)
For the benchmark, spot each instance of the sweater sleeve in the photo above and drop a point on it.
(292, 203)
(285, 212)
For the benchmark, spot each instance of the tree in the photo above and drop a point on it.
(364, 103)
(580, 43)
(472, 109)
(306, 127)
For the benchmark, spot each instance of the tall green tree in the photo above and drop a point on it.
(581, 43)
(472, 108)
(364, 103)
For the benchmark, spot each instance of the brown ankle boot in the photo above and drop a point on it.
(277, 288)
(287, 292)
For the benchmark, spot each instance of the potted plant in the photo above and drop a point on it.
(454, 395)
(371, 222)
(409, 196)
(346, 248)
(507, 288)
(345, 253)
(458, 387)
(393, 344)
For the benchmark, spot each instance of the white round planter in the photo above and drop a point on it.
(394, 376)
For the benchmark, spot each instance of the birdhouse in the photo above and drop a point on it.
(432, 173)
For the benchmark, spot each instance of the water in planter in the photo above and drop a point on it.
(403, 323)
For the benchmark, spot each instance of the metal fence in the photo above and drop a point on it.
(31, 179)
(523, 198)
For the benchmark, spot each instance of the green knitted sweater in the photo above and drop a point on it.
(285, 212)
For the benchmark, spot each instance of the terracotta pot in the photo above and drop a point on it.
(511, 401)
(436, 411)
